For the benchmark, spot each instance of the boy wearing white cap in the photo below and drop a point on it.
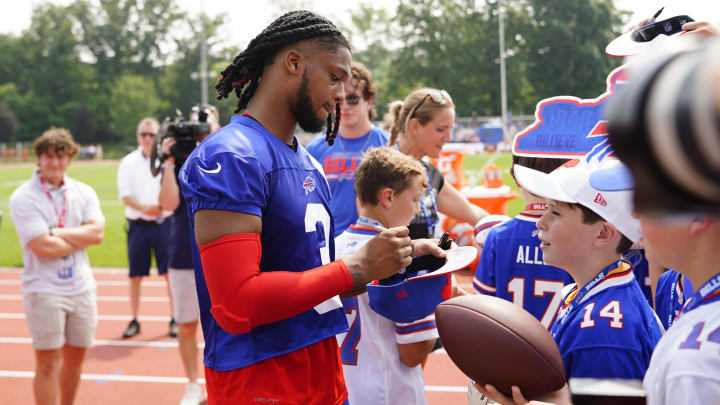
(684, 368)
(605, 327)
(511, 264)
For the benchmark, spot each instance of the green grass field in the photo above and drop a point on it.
(101, 176)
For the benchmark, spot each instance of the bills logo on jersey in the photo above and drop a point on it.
(600, 200)
(569, 127)
(309, 185)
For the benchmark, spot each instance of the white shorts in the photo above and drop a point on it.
(185, 301)
(56, 320)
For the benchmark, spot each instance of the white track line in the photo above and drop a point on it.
(104, 342)
(97, 270)
(103, 283)
(108, 377)
(177, 380)
(101, 298)
(124, 318)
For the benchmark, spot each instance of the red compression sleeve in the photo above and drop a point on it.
(242, 297)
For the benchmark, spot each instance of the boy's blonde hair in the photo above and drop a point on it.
(58, 139)
(386, 167)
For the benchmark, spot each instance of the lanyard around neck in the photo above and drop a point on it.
(709, 292)
(59, 216)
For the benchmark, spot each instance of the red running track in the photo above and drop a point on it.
(147, 368)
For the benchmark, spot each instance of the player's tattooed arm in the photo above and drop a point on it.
(359, 286)
(384, 255)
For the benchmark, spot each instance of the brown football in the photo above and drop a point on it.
(496, 342)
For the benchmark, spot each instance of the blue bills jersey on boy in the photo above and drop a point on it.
(607, 329)
(244, 168)
(511, 267)
(670, 296)
(339, 162)
(641, 269)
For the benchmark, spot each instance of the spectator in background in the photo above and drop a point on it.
(147, 229)
(56, 218)
(422, 125)
(186, 310)
(357, 134)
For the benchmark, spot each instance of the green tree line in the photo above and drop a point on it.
(98, 66)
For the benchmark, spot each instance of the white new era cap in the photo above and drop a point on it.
(570, 183)
(646, 37)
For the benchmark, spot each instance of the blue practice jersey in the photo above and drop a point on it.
(607, 329)
(670, 296)
(244, 168)
(340, 162)
(511, 267)
(641, 269)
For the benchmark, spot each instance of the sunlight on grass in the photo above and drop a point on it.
(102, 177)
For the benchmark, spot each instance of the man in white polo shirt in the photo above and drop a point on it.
(147, 228)
(56, 218)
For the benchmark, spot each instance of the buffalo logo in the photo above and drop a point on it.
(309, 185)
(600, 200)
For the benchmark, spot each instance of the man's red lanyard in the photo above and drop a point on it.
(60, 217)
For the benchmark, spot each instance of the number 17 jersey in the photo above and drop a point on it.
(511, 267)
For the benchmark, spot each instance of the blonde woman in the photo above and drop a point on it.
(421, 127)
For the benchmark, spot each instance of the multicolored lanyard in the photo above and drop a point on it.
(581, 293)
(429, 220)
(709, 292)
(535, 207)
(60, 217)
(424, 209)
(674, 287)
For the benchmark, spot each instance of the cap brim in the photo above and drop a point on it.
(625, 46)
(541, 184)
(613, 179)
(457, 259)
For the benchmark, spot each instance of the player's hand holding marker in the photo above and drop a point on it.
(384, 255)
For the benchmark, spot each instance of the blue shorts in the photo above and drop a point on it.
(142, 237)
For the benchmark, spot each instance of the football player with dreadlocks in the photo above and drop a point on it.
(258, 204)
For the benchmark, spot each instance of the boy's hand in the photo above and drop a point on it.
(559, 397)
(702, 28)
(422, 247)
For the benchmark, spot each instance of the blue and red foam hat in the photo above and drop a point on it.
(415, 295)
(568, 127)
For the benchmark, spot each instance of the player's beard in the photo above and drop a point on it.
(304, 113)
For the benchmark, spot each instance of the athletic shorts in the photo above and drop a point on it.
(56, 320)
(308, 376)
(185, 300)
(144, 237)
